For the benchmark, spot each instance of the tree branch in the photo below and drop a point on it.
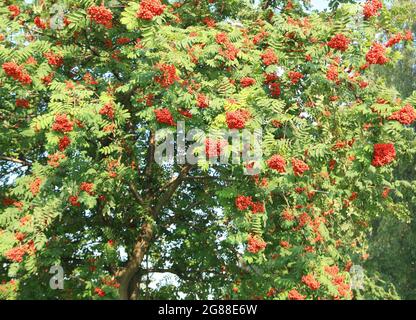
(149, 162)
(16, 160)
(172, 188)
(135, 193)
(209, 177)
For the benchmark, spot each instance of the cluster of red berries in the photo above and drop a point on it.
(257, 207)
(243, 202)
(363, 84)
(186, 113)
(221, 38)
(19, 236)
(164, 116)
(148, 9)
(284, 244)
(303, 220)
(259, 37)
(123, 40)
(376, 54)
(107, 110)
(339, 145)
(17, 72)
(100, 292)
(89, 79)
(406, 115)
(16, 254)
(332, 73)
(147, 99)
(14, 11)
(209, 22)
(287, 215)
(383, 154)
(62, 123)
(23, 103)
(214, 147)
(277, 162)
(295, 76)
(394, 40)
(25, 220)
(8, 202)
(202, 101)
(371, 8)
(269, 57)
(270, 78)
(101, 15)
(73, 200)
(54, 59)
(408, 36)
(299, 167)
(229, 50)
(39, 23)
(247, 81)
(338, 280)
(237, 119)
(55, 159)
(275, 89)
(35, 186)
(311, 282)
(48, 79)
(31, 60)
(87, 187)
(110, 281)
(112, 168)
(255, 244)
(339, 42)
(295, 295)
(63, 143)
(168, 75)
(246, 202)
(386, 192)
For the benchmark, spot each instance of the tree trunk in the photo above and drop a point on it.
(135, 286)
(128, 280)
(127, 276)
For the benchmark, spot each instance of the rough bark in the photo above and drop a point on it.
(133, 266)
(128, 276)
(135, 286)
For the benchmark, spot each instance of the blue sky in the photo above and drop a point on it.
(319, 4)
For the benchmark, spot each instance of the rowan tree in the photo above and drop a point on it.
(85, 87)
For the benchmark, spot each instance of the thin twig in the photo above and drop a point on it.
(15, 160)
